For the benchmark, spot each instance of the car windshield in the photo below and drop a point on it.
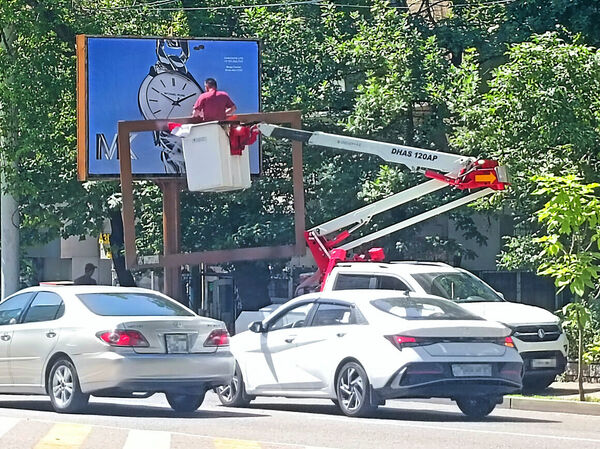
(411, 308)
(131, 304)
(457, 286)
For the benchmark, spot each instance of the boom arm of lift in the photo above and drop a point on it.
(443, 169)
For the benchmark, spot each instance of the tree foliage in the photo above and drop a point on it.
(37, 93)
(475, 81)
(539, 115)
(570, 240)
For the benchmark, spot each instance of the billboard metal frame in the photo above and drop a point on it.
(172, 259)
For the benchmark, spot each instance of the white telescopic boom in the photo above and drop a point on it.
(418, 218)
(413, 158)
(363, 215)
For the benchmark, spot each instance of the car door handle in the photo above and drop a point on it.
(5, 337)
(50, 334)
(290, 339)
(341, 334)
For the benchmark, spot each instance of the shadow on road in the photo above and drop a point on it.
(130, 410)
(399, 414)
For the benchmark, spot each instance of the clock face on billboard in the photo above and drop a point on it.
(168, 94)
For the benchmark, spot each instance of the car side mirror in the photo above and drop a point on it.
(501, 295)
(13, 321)
(257, 326)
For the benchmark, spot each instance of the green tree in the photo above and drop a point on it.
(398, 67)
(538, 115)
(570, 247)
(37, 79)
(298, 73)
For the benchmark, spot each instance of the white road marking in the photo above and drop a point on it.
(229, 443)
(144, 439)
(6, 424)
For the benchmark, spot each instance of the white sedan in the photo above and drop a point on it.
(361, 347)
(70, 342)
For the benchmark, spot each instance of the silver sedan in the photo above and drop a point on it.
(70, 342)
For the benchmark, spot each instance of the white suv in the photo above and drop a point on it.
(537, 333)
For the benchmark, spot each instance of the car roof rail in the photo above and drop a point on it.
(56, 283)
(421, 262)
(362, 264)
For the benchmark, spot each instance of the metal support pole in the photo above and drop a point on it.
(9, 208)
(9, 236)
(171, 235)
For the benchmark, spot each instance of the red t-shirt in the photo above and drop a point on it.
(214, 103)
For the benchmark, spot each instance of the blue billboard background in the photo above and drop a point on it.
(117, 67)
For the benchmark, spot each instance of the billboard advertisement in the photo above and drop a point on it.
(129, 78)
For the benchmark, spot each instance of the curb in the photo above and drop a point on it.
(551, 405)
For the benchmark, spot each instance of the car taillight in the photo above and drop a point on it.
(123, 338)
(508, 341)
(218, 337)
(401, 341)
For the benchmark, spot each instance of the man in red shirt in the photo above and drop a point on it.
(213, 104)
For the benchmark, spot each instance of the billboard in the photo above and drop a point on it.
(132, 78)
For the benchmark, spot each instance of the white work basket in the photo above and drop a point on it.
(209, 164)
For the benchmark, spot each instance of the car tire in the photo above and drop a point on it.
(354, 391)
(184, 403)
(64, 389)
(234, 394)
(537, 383)
(475, 407)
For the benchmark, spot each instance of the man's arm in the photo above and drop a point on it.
(198, 109)
(230, 107)
(230, 111)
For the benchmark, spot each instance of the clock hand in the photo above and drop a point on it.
(172, 107)
(173, 103)
(178, 102)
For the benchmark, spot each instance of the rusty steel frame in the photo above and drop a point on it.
(172, 259)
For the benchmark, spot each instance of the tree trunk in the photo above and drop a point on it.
(117, 244)
(580, 359)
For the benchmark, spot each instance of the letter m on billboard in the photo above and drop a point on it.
(147, 78)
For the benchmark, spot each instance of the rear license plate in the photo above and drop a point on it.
(472, 370)
(543, 363)
(177, 343)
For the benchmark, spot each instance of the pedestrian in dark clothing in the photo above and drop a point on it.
(213, 104)
(87, 278)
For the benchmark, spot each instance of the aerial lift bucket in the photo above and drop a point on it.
(216, 159)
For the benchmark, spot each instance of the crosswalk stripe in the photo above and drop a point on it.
(145, 439)
(64, 436)
(6, 424)
(224, 443)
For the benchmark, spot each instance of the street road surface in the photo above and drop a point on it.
(28, 422)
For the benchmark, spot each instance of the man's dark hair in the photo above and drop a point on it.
(211, 83)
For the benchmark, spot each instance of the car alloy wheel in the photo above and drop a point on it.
(353, 390)
(64, 390)
(234, 393)
(62, 386)
(230, 391)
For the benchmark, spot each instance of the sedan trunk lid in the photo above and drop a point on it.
(174, 334)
